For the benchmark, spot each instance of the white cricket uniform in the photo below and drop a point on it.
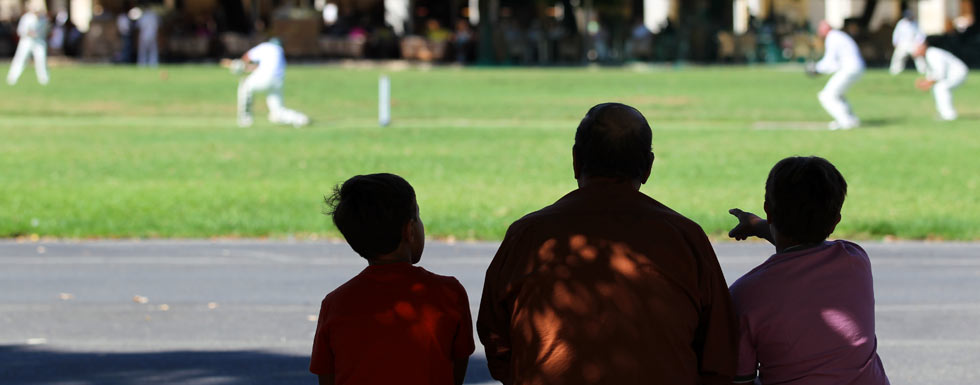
(843, 59)
(148, 54)
(906, 38)
(267, 78)
(948, 72)
(32, 30)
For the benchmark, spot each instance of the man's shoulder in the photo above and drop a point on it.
(569, 205)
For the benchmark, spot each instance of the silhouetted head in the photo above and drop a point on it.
(823, 29)
(804, 196)
(376, 213)
(613, 141)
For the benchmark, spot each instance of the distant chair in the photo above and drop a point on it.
(419, 48)
(726, 46)
(747, 47)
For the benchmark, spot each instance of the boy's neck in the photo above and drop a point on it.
(398, 256)
(786, 245)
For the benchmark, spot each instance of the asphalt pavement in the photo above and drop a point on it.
(244, 312)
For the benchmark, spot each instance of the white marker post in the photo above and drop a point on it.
(384, 101)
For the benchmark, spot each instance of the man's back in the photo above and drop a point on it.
(606, 286)
(271, 59)
(841, 53)
(943, 65)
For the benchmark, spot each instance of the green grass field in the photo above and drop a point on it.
(125, 152)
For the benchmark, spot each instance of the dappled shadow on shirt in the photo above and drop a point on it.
(596, 311)
(23, 365)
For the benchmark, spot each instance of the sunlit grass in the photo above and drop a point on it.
(124, 152)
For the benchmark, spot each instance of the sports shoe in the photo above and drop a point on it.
(834, 126)
(245, 121)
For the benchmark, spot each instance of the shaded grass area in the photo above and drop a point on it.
(125, 152)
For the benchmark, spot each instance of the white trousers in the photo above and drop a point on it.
(29, 47)
(832, 97)
(147, 52)
(272, 87)
(941, 91)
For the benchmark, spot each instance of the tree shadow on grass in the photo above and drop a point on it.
(22, 365)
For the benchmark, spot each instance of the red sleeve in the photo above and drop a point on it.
(463, 345)
(321, 360)
(715, 342)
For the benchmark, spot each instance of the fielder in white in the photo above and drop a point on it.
(32, 29)
(842, 59)
(944, 72)
(267, 77)
(906, 38)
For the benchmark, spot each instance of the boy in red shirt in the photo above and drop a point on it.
(807, 314)
(394, 323)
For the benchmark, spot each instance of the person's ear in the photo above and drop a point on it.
(576, 166)
(765, 207)
(408, 232)
(646, 175)
(836, 222)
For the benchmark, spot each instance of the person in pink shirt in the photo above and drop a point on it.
(806, 314)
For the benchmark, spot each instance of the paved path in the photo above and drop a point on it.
(240, 312)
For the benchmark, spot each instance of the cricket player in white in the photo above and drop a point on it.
(906, 38)
(268, 78)
(943, 71)
(843, 59)
(32, 29)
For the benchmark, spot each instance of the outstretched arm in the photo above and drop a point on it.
(750, 225)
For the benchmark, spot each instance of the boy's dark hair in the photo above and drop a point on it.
(370, 211)
(614, 140)
(805, 196)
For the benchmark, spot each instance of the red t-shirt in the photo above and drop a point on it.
(393, 324)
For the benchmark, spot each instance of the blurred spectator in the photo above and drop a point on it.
(125, 27)
(149, 24)
(462, 40)
(57, 40)
(640, 42)
(435, 33)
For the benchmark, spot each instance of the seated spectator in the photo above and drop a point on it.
(607, 285)
(807, 314)
(394, 323)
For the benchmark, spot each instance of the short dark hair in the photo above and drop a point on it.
(614, 140)
(370, 211)
(805, 196)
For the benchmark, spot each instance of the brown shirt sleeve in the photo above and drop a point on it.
(494, 319)
(716, 339)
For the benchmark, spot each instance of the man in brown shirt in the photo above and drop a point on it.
(607, 285)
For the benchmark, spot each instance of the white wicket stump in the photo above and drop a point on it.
(384, 101)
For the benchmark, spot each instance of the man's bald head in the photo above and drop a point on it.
(614, 141)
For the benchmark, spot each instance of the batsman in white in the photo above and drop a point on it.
(842, 59)
(906, 38)
(32, 29)
(266, 77)
(944, 72)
